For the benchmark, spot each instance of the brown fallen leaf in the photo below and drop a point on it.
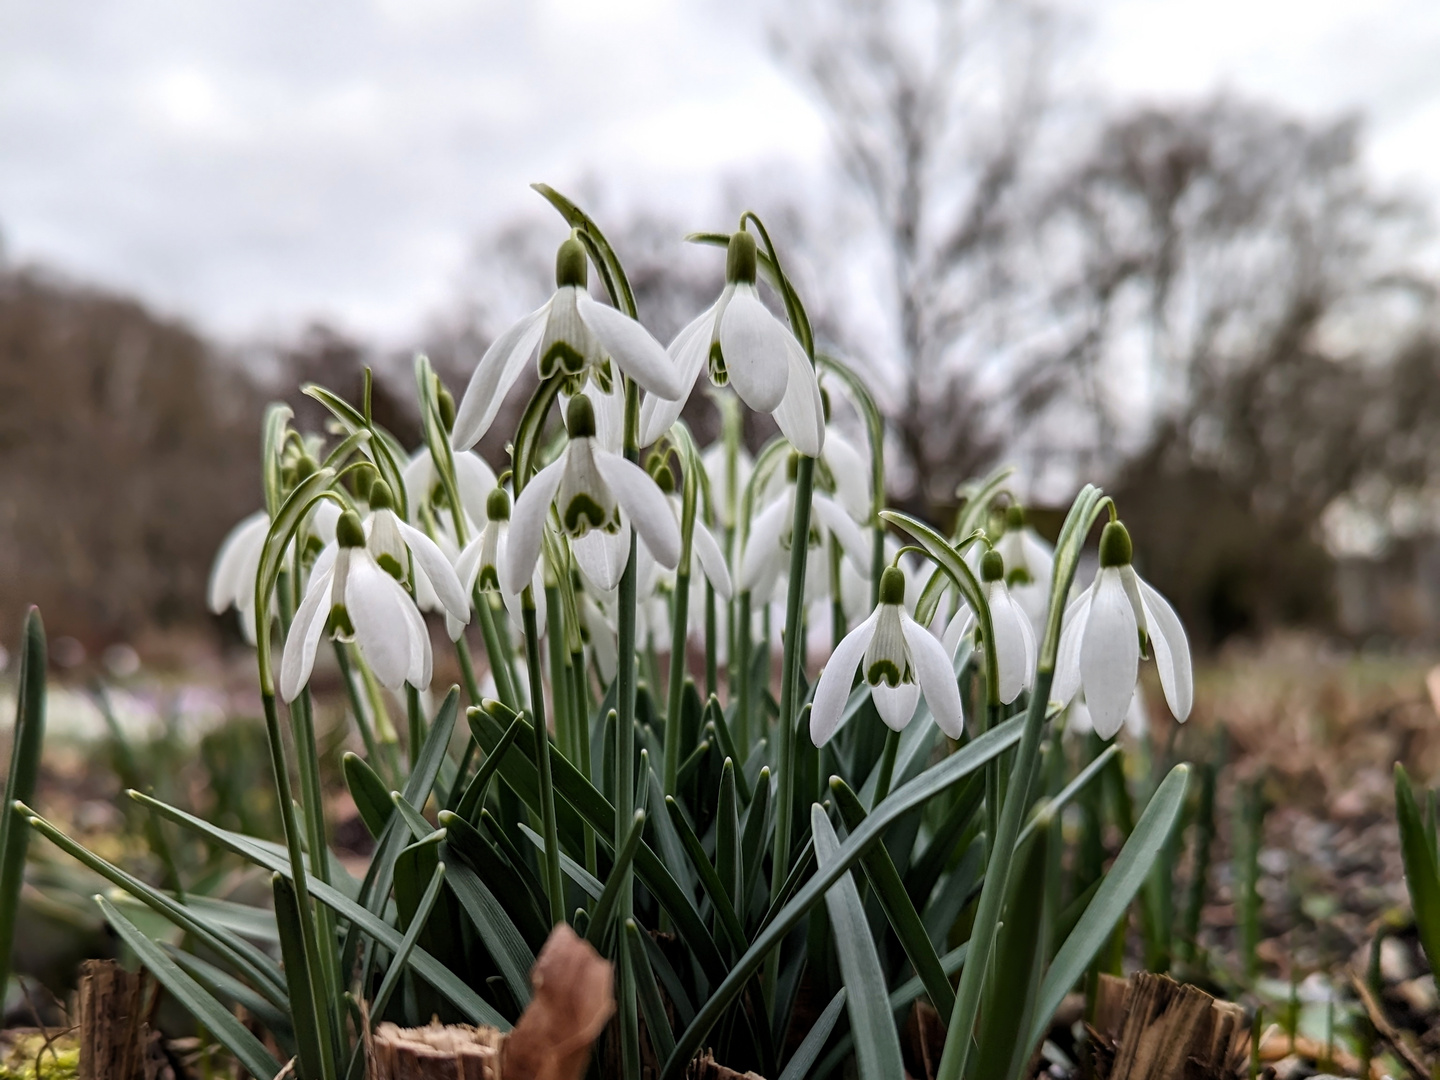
(574, 997)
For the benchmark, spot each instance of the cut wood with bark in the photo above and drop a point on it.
(1152, 1028)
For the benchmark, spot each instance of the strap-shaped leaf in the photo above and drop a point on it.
(502, 941)
(1127, 874)
(1421, 875)
(224, 985)
(366, 922)
(959, 765)
(372, 799)
(800, 1063)
(899, 909)
(20, 787)
(604, 911)
(407, 943)
(474, 795)
(316, 1059)
(877, 1046)
(522, 903)
(220, 1022)
(709, 878)
(587, 881)
(652, 1007)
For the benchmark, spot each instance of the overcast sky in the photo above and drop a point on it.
(252, 163)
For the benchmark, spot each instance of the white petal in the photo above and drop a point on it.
(833, 689)
(376, 604)
(1109, 654)
(1032, 652)
(936, 675)
(232, 580)
(763, 558)
(753, 344)
(1006, 620)
(896, 704)
(1172, 651)
(418, 639)
(494, 375)
(467, 566)
(602, 557)
(304, 637)
(960, 625)
(851, 471)
(801, 414)
(643, 501)
(417, 476)
(712, 560)
(527, 525)
(1067, 657)
(475, 479)
(852, 539)
(631, 347)
(437, 568)
(688, 353)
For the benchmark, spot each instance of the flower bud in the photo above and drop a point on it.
(1014, 517)
(792, 466)
(1115, 546)
(360, 481)
(825, 404)
(580, 418)
(446, 402)
(664, 479)
(305, 467)
(992, 566)
(380, 497)
(892, 586)
(740, 259)
(572, 267)
(497, 505)
(348, 530)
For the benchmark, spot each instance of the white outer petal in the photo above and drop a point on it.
(843, 526)
(1007, 620)
(475, 479)
(631, 347)
(851, 471)
(418, 640)
(753, 344)
(801, 414)
(304, 637)
(688, 353)
(232, 579)
(833, 689)
(762, 560)
(643, 501)
(375, 602)
(936, 676)
(712, 561)
(437, 568)
(602, 557)
(896, 704)
(960, 625)
(494, 375)
(527, 526)
(1109, 654)
(1067, 657)
(1172, 651)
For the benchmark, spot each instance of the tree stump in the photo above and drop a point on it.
(437, 1052)
(116, 1042)
(1153, 1028)
(705, 1067)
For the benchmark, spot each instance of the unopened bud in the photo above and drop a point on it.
(571, 265)
(664, 479)
(1014, 517)
(580, 418)
(740, 259)
(305, 467)
(446, 402)
(360, 481)
(381, 498)
(1115, 546)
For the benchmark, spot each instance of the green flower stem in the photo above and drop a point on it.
(357, 707)
(415, 722)
(497, 648)
(887, 767)
(309, 937)
(794, 657)
(712, 681)
(580, 700)
(554, 888)
(566, 735)
(740, 658)
(625, 757)
(679, 619)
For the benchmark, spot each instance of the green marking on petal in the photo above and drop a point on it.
(561, 356)
(718, 373)
(583, 514)
(339, 623)
(883, 670)
(489, 578)
(391, 566)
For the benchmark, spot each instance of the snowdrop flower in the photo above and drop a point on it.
(598, 495)
(479, 564)
(392, 543)
(1079, 723)
(1014, 640)
(703, 545)
(474, 480)
(352, 595)
(899, 659)
(1104, 628)
(767, 548)
(576, 336)
(750, 349)
(232, 578)
(1029, 566)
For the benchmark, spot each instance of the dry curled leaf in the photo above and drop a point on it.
(574, 997)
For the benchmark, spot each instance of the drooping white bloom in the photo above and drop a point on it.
(480, 563)
(703, 546)
(767, 547)
(748, 348)
(1014, 640)
(1029, 566)
(1101, 639)
(899, 659)
(598, 495)
(232, 578)
(474, 480)
(576, 336)
(393, 543)
(352, 595)
(729, 473)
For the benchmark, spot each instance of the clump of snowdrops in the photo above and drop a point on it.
(859, 827)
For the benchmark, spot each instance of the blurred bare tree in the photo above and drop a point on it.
(934, 107)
